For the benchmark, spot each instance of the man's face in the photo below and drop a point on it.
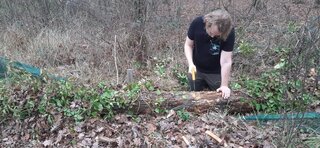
(213, 31)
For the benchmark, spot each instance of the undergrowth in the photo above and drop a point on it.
(23, 95)
(277, 93)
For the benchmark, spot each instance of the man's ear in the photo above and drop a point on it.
(205, 20)
(208, 25)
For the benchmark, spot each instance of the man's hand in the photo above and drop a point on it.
(225, 91)
(190, 68)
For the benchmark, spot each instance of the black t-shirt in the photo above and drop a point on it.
(207, 50)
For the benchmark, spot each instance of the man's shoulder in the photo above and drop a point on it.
(198, 19)
(197, 23)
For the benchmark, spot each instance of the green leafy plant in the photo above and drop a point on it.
(281, 51)
(276, 91)
(180, 75)
(149, 85)
(105, 103)
(268, 87)
(292, 27)
(235, 86)
(246, 48)
(46, 97)
(160, 69)
(77, 114)
(183, 115)
(158, 109)
(283, 63)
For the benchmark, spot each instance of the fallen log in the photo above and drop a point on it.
(197, 102)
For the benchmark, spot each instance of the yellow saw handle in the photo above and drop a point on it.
(193, 73)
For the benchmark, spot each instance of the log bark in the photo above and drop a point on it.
(197, 102)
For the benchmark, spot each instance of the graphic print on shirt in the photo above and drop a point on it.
(214, 47)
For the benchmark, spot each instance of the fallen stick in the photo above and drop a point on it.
(106, 139)
(171, 113)
(215, 137)
(186, 140)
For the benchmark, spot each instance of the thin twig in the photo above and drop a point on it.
(186, 140)
(215, 137)
(115, 58)
(106, 139)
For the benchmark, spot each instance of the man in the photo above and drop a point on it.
(208, 49)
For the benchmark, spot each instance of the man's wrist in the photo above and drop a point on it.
(190, 63)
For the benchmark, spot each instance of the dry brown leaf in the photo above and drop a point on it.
(57, 123)
(137, 141)
(78, 128)
(99, 129)
(81, 136)
(8, 141)
(317, 109)
(95, 144)
(121, 118)
(192, 130)
(164, 125)
(136, 131)
(151, 128)
(86, 142)
(312, 72)
(120, 141)
(26, 137)
(47, 143)
(61, 134)
(267, 144)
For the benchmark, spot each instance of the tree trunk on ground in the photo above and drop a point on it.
(197, 102)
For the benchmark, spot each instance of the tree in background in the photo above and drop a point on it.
(137, 40)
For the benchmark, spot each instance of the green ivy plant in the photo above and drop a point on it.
(276, 92)
(23, 95)
(183, 115)
(180, 75)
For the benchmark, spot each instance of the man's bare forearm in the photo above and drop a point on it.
(188, 47)
(225, 73)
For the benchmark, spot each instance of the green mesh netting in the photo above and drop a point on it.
(307, 115)
(6, 63)
(308, 121)
(3, 67)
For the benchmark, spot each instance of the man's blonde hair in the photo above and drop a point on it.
(222, 19)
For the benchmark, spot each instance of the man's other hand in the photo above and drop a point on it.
(225, 91)
(191, 66)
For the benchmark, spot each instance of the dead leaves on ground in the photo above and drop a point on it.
(128, 131)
